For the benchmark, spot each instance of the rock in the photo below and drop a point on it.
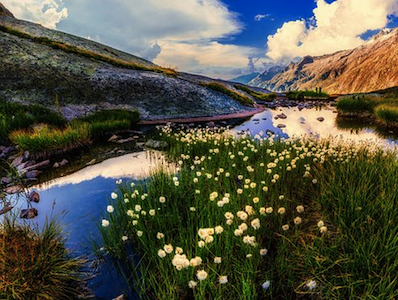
(302, 120)
(282, 116)
(91, 162)
(34, 197)
(210, 124)
(38, 165)
(256, 120)
(63, 162)
(17, 161)
(32, 174)
(130, 139)
(264, 119)
(156, 144)
(29, 213)
(5, 180)
(4, 12)
(281, 126)
(26, 155)
(121, 152)
(113, 138)
(320, 119)
(8, 150)
(121, 297)
(136, 137)
(56, 165)
(13, 189)
(269, 132)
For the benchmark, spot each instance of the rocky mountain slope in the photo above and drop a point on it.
(266, 75)
(372, 66)
(79, 76)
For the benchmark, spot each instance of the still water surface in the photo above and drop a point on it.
(82, 196)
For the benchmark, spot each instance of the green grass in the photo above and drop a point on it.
(49, 139)
(387, 114)
(257, 95)
(14, 116)
(44, 139)
(88, 54)
(36, 265)
(349, 255)
(357, 104)
(218, 87)
(301, 95)
(106, 121)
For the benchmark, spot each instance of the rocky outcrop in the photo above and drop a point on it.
(4, 12)
(34, 71)
(367, 68)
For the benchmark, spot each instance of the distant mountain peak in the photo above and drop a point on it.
(371, 66)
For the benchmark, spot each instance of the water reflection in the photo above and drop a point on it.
(307, 122)
(79, 200)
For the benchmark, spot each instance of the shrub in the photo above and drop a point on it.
(301, 95)
(218, 87)
(357, 104)
(257, 95)
(36, 265)
(46, 139)
(387, 114)
(14, 116)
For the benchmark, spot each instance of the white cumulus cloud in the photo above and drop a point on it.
(207, 58)
(46, 12)
(181, 33)
(335, 26)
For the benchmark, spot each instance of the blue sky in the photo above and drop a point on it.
(216, 38)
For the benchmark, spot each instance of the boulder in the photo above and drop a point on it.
(281, 126)
(282, 116)
(29, 213)
(320, 119)
(34, 197)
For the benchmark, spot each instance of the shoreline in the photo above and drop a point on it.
(239, 115)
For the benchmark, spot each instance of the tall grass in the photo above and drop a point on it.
(257, 95)
(36, 265)
(45, 139)
(15, 116)
(218, 87)
(257, 218)
(387, 114)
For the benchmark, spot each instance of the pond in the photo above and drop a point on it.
(307, 122)
(80, 199)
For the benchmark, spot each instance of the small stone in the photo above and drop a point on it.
(91, 162)
(113, 138)
(121, 297)
(130, 139)
(32, 174)
(34, 197)
(5, 180)
(282, 116)
(281, 126)
(29, 213)
(6, 209)
(63, 162)
(156, 144)
(17, 161)
(320, 119)
(56, 165)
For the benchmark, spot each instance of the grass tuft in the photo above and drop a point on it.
(36, 265)
(387, 114)
(257, 95)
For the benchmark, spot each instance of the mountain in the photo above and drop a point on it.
(79, 76)
(371, 66)
(266, 75)
(245, 79)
